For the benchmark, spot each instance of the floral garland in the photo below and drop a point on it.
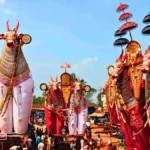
(10, 88)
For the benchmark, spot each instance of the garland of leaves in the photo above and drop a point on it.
(9, 93)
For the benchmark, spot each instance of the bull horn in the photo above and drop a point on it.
(7, 25)
(52, 79)
(56, 78)
(17, 26)
(121, 55)
(148, 50)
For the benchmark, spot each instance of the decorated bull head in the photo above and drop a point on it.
(77, 84)
(118, 67)
(54, 83)
(146, 61)
(12, 38)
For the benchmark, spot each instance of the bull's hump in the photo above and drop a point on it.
(7, 63)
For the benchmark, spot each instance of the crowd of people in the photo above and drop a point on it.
(41, 140)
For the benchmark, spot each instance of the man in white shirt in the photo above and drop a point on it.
(109, 140)
(41, 146)
(82, 143)
(15, 147)
(73, 145)
(29, 143)
(25, 147)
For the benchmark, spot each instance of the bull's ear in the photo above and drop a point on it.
(2, 36)
(20, 35)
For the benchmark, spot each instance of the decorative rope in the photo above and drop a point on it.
(9, 93)
(122, 116)
(111, 118)
(147, 121)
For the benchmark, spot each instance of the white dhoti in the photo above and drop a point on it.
(18, 112)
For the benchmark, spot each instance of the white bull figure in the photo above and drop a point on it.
(16, 84)
(78, 110)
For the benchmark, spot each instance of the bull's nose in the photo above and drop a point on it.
(10, 44)
(10, 41)
(114, 76)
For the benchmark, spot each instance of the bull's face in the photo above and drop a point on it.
(11, 36)
(77, 84)
(118, 68)
(54, 83)
(146, 62)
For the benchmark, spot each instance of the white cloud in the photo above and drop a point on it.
(85, 62)
(2, 1)
(75, 66)
(8, 11)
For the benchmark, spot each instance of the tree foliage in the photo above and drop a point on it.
(99, 98)
(38, 100)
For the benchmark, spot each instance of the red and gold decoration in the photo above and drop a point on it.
(66, 83)
(130, 88)
(66, 86)
(134, 61)
(110, 91)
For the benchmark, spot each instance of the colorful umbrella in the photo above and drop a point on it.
(119, 33)
(122, 7)
(125, 16)
(121, 42)
(146, 30)
(128, 26)
(146, 19)
(65, 66)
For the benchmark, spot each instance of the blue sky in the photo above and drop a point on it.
(79, 32)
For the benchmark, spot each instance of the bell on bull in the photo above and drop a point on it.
(16, 84)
